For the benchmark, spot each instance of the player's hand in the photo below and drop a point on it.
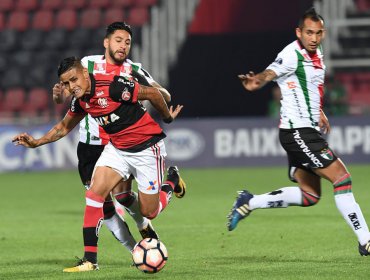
(58, 93)
(249, 81)
(324, 123)
(176, 111)
(25, 140)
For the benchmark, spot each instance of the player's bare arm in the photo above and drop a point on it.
(57, 132)
(153, 95)
(166, 95)
(60, 94)
(324, 123)
(252, 81)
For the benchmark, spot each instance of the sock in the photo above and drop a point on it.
(164, 198)
(282, 198)
(117, 226)
(130, 201)
(349, 209)
(93, 221)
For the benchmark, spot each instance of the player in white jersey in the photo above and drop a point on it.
(299, 71)
(93, 138)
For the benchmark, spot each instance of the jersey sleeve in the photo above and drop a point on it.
(85, 61)
(285, 63)
(75, 108)
(123, 90)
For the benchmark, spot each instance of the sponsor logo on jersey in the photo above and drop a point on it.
(291, 85)
(184, 144)
(126, 95)
(327, 154)
(151, 186)
(99, 93)
(103, 102)
(126, 68)
(306, 150)
(108, 119)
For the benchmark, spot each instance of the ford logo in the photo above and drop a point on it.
(183, 144)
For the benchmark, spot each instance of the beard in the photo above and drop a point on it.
(115, 59)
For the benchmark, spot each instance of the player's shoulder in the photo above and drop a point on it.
(93, 58)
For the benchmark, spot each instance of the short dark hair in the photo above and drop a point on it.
(118, 25)
(67, 64)
(311, 14)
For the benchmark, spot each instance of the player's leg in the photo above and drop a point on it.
(341, 179)
(126, 197)
(109, 170)
(87, 158)
(306, 194)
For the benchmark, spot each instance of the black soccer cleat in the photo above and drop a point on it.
(173, 175)
(149, 232)
(364, 249)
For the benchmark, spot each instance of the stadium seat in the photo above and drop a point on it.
(26, 5)
(12, 77)
(2, 21)
(13, 102)
(122, 3)
(145, 3)
(75, 4)
(3, 63)
(66, 19)
(56, 39)
(99, 4)
(138, 16)
(90, 18)
(80, 38)
(38, 75)
(18, 20)
(8, 39)
(6, 5)
(31, 39)
(52, 4)
(112, 15)
(37, 105)
(43, 20)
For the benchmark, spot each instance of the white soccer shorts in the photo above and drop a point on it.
(146, 166)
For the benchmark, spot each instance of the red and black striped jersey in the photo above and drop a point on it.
(127, 122)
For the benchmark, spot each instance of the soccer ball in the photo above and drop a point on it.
(149, 255)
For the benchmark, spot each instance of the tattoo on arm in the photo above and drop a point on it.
(266, 76)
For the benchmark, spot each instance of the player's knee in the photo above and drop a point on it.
(126, 198)
(149, 212)
(309, 199)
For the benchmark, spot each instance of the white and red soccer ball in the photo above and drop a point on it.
(150, 255)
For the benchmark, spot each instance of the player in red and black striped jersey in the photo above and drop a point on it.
(136, 145)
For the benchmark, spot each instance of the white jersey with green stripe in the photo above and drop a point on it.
(300, 76)
(90, 132)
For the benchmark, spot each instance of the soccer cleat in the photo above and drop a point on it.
(149, 232)
(364, 249)
(82, 266)
(240, 209)
(173, 175)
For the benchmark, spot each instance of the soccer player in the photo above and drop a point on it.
(136, 145)
(299, 71)
(117, 44)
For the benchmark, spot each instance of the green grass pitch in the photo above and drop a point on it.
(41, 218)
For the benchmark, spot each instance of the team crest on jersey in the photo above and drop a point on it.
(126, 68)
(103, 102)
(99, 66)
(151, 186)
(126, 95)
(327, 154)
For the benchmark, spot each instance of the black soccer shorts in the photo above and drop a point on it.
(87, 156)
(306, 149)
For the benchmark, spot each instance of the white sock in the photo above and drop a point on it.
(134, 211)
(352, 213)
(280, 198)
(120, 231)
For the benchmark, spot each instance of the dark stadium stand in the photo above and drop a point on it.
(36, 34)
